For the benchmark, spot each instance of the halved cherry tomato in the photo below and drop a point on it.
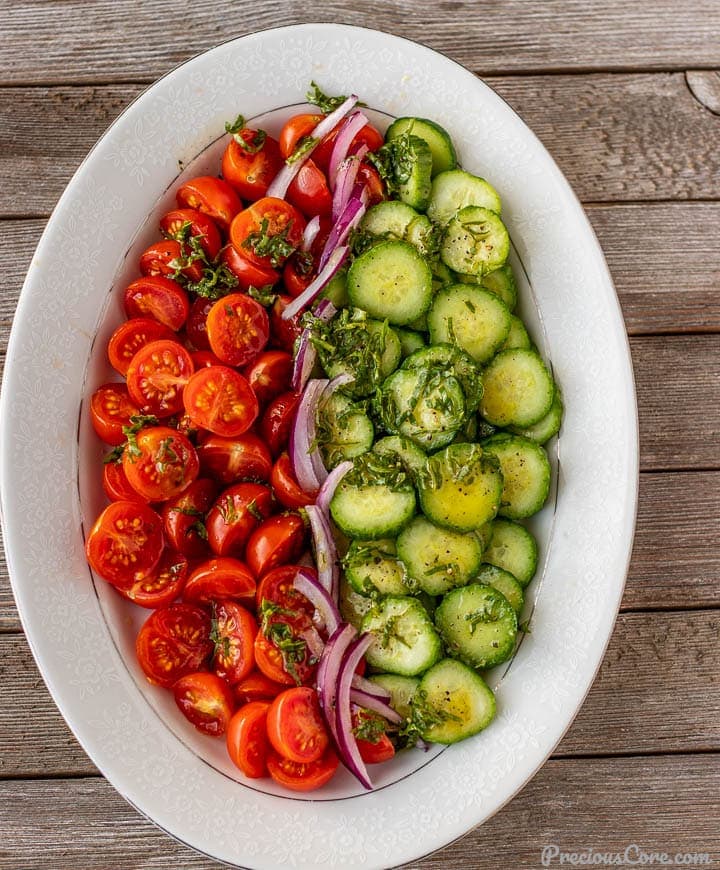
(117, 486)
(157, 375)
(257, 687)
(206, 701)
(237, 329)
(370, 177)
(298, 274)
(277, 421)
(302, 777)
(219, 399)
(196, 324)
(278, 541)
(378, 749)
(269, 375)
(231, 520)
(130, 336)
(296, 129)
(167, 257)
(220, 579)
(248, 274)
(126, 543)
(269, 660)
(286, 488)
(268, 218)
(201, 226)
(173, 641)
(211, 196)
(276, 587)
(203, 359)
(184, 518)
(295, 725)
(309, 191)
(228, 460)
(157, 297)
(368, 135)
(234, 635)
(284, 332)
(162, 464)
(163, 586)
(250, 169)
(247, 741)
(110, 409)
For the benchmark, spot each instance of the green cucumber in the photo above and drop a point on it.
(456, 189)
(518, 389)
(402, 691)
(372, 568)
(474, 319)
(505, 583)
(526, 474)
(344, 429)
(437, 139)
(404, 639)
(549, 425)
(438, 559)
(452, 702)
(475, 241)
(412, 457)
(512, 548)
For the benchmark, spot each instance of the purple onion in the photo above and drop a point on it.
(318, 596)
(348, 220)
(312, 228)
(328, 488)
(345, 185)
(325, 275)
(325, 551)
(370, 688)
(325, 310)
(302, 445)
(304, 362)
(347, 744)
(352, 125)
(314, 642)
(371, 702)
(329, 670)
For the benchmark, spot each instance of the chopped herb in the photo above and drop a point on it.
(236, 126)
(525, 627)
(370, 726)
(489, 612)
(394, 161)
(263, 295)
(252, 142)
(292, 649)
(470, 306)
(254, 510)
(217, 279)
(325, 103)
(269, 609)
(307, 143)
(137, 422)
(227, 509)
(221, 641)
(423, 719)
(276, 247)
(304, 262)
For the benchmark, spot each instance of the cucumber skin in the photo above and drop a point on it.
(501, 528)
(442, 685)
(378, 656)
(415, 191)
(444, 156)
(344, 509)
(501, 443)
(486, 307)
(459, 247)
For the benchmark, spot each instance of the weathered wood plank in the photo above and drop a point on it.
(657, 691)
(98, 41)
(663, 804)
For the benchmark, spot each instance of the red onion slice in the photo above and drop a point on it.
(348, 220)
(352, 125)
(328, 488)
(329, 670)
(283, 179)
(326, 273)
(347, 744)
(325, 551)
(312, 228)
(304, 362)
(314, 642)
(318, 596)
(303, 437)
(325, 310)
(370, 702)
(345, 183)
(370, 688)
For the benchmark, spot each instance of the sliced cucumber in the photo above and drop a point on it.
(475, 241)
(389, 219)
(410, 341)
(390, 342)
(501, 281)
(456, 189)
(404, 449)
(505, 583)
(404, 638)
(438, 559)
(452, 702)
(437, 139)
(336, 290)
(513, 549)
(526, 474)
(415, 189)
(441, 274)
(518, 336)
(391, 281)
(518, 389)
(470, 317)
(477, 625)
(344, 429)
(484, 534)
(449, 356)
(353, 607)
(461, 488)
(372, 568)
(549, 425)
(402, 691)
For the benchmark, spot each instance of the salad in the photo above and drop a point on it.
(329, 427)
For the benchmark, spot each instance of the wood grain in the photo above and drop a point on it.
(661, 803)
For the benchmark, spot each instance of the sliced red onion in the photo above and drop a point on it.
(370, 702)
(314, 642)
(304, 362)
(302, 447)
(325, 551)
(345, 183)
(318, 596)
(328, 671)
(347, 744)
(282, 180)
(348, 220)
(328, 488)
(325, 275)
(312, 228)
(352, 125)
(370, 688)
(325, 310)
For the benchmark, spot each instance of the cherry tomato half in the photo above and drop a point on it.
(269, 375)
(247, 741)
(219, 399)
(234, 635)
(378, 749)
(201, 226)
(117, 486)
(370, 177)
(277, 588)
(173, 641)
(248, 274)
(157, 375)
(206, 701)
(278, 541)
(269, 660)
(296, 129)
(368, 135)
(284, 332)
(277, 421)
(231, 520)
(309, 191)
(125, 544)
(110, 409)
(286, 488)
(184, 518)
(302, 777)
(295, 725)
(229, 460)
(220, 579)
(163, 586)
(250, 164)
(257, 687)
(237, 329)
(267, 223)
(211, 196)
(130, 336)
(158, 297)
(196, 324)
(170, 258)
(163, 463)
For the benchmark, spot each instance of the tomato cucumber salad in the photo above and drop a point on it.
(326, 429)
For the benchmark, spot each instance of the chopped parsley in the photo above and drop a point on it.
(276, 247)
(325, 103)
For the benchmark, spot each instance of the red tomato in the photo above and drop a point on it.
(278, 541)
(248, 274)
(368, 135)
(286, 488)
(157, 297)
(269, 660)
(161, 464)
(130, 336)
(206, 701)
(296, 129)
(211, 196)
(257, 687)
(196, 325)
(163, 586)
(200, 225)
(277, 421)
(302, 777)
(237, 329)
(380, 747)
(173, 641)
(117, 486)
(234, 635)
(125, 544)
(250, 169)
(157, 375)
(247, 741)
(167, 257)
(269, 375)
(298, 274)
(370, 177)
(220, 579)
(295, 725)
(184, 518)
(203, 359)
(284, 332)
(235, 514)
(277, 588)
(228, 460)
(268, 218)
(110, 409)
(219, 399)
(309, 191)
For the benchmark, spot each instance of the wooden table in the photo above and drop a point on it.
(626, 96)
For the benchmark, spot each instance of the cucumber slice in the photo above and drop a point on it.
(438, 559)
(390, 342)
(402, 690)
(470, 317)
(353, 607)
(344, 429)
(372, 569)
(452, 702)
(549, 425)
(391, 281)
(475, 241)
(501, 282)
(456, 189)
(517, 336)
(405, 641)
(449, 356)
(484, 534)
(513, 549)
(336, 290)
(441, 274)
(526, 474)
(415, 189)
(389, 219)
(461, 487)
(518, 389)
(437, 139)
(404, 449)
(477, 625)
(410, 341)
(505, 583)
